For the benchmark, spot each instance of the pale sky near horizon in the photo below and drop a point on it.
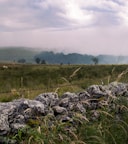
(82, 26)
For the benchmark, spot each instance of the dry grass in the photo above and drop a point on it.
(107, 129)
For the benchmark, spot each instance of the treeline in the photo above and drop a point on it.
(29, 55)
(75, 58)
(61, 58)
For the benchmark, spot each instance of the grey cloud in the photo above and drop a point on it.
(98, 27)
(26, 14)
(34, 14)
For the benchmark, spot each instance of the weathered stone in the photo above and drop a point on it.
(118, 88)
(64, 102)
(97, 91)
(4, 124)
(48, 99)
(14, 114)
(71, 96)
(68, 100)
(5, 110)
(79, 108)
(59, 110)
(83, 96)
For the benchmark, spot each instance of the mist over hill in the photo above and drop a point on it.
(75, 58)
(59, 58)
(11, 54)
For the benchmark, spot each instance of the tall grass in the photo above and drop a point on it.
(111, 127)
(36, 78)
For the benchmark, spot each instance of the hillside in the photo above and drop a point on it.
(75, 58)
(9, 54)
(58, 58)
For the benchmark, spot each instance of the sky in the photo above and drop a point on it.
(82, 26)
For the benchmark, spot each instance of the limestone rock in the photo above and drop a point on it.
(48, 99)
(14, 115)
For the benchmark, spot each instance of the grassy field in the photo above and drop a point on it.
(30, 80)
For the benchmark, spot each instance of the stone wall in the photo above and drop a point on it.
(16, 114)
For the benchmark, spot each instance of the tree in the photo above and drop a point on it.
(37, 60)
(95, 60)
(43, 61)
(22, 60)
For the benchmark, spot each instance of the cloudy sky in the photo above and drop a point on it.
(83, 26)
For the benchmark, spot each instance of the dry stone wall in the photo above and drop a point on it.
(16, 114)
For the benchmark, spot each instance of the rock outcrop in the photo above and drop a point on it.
(16, 114)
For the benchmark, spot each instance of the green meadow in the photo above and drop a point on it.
(28, 81)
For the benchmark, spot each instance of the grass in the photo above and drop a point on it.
(30, 80)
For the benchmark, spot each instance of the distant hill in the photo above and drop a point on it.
(58, 58)
(75, 58)
(9, 54)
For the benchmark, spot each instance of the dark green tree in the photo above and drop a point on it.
(95, 60)
(43, 61)
(22, 60)
(37, 60)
